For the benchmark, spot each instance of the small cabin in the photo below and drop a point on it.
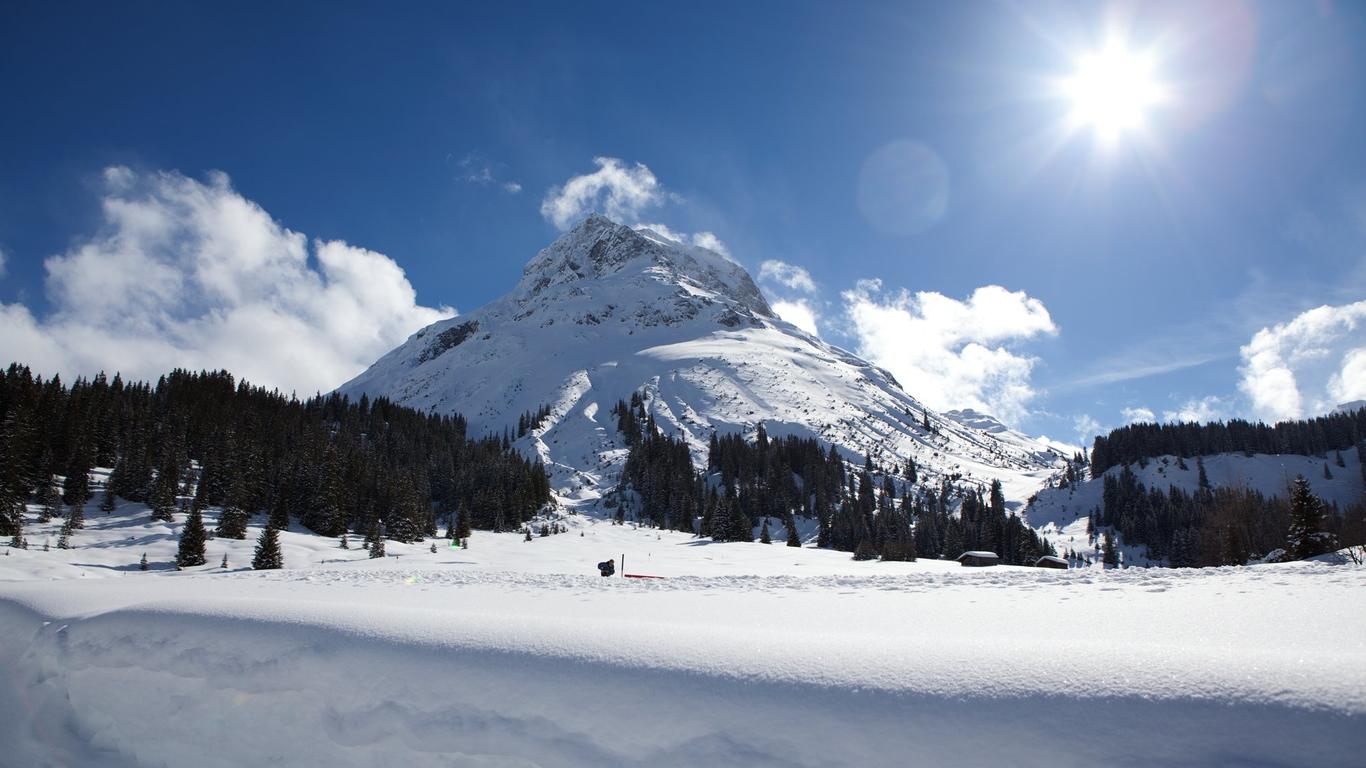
(978, 559)
(1050, 561)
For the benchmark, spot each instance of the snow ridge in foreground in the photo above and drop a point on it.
(436, 666)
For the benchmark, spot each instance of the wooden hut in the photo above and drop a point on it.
(978, 558)
(1050, 561)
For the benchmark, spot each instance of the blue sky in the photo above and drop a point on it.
(906, 157)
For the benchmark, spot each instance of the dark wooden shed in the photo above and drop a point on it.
(1049, 561)
(978, 558)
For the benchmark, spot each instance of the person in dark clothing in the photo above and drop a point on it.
(608, 568)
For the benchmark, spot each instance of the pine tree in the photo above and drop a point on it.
(375, 541)
(1110, 555)
(64, 538)
(232, 521)
(49, 499)
(1327, 474)
(76, 486)
(279, 514)
(344, 543)
(792, 539)
(865, 551)
(1306, 537)
(764, 537)
(268, 556)
(191, 550)
(142, 564)
(1204, 478)
(107, 503)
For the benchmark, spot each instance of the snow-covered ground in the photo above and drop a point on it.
(515, 653)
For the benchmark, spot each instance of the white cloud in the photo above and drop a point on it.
(477, 170)
(1205, 409)
(1307, 366)
(799, 312)
(950, 353)
(710, 241)
(191, 274)
(2, 263)
(1087, 429)
(1139, 414)
(620, 192)
(787, 275)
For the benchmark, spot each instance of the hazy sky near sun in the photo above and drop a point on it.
(1072, 214)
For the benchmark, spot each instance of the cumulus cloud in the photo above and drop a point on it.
(799, 312)
(1138, 415)
(789, 276)
(781, 279)
(617, 190)
(191, 274)
(951, 353)
(1308, 365)
(1205, 409)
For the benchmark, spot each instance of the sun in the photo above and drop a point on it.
(1112, 91)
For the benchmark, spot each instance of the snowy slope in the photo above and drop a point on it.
(447, 663)
(1059, 514)
(514, 653)
(606, 311)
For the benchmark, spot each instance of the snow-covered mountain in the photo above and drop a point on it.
(606, 311)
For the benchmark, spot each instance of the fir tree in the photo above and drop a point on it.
(344, 543)
(76, 485)
(232, 523)
(224, 564)
(64, 538)
(279, 513)
(764, 537)
(1204, 478)
(107, 503)
(49, 499)
(268, 556)
(1306, 537)
(375, 541)
(865, 551)
(191, 550)
(142, 564)
(75, 517)
(792, 539)
(1110, 555)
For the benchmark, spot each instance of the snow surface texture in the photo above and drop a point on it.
(606, 311)
(507, 654)
(1059, 514)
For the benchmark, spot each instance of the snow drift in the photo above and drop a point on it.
(442, 666)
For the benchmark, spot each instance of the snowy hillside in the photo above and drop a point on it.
(606, 311)
(515, 653)
(1059, 514)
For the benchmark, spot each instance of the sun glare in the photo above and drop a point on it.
(1112, 92)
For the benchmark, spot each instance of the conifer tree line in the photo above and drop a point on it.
(1307, 437)
(327, 463)
(871, 512)
(532, 420)
(1221, 526)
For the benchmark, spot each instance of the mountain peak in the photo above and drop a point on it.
(598, 248)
